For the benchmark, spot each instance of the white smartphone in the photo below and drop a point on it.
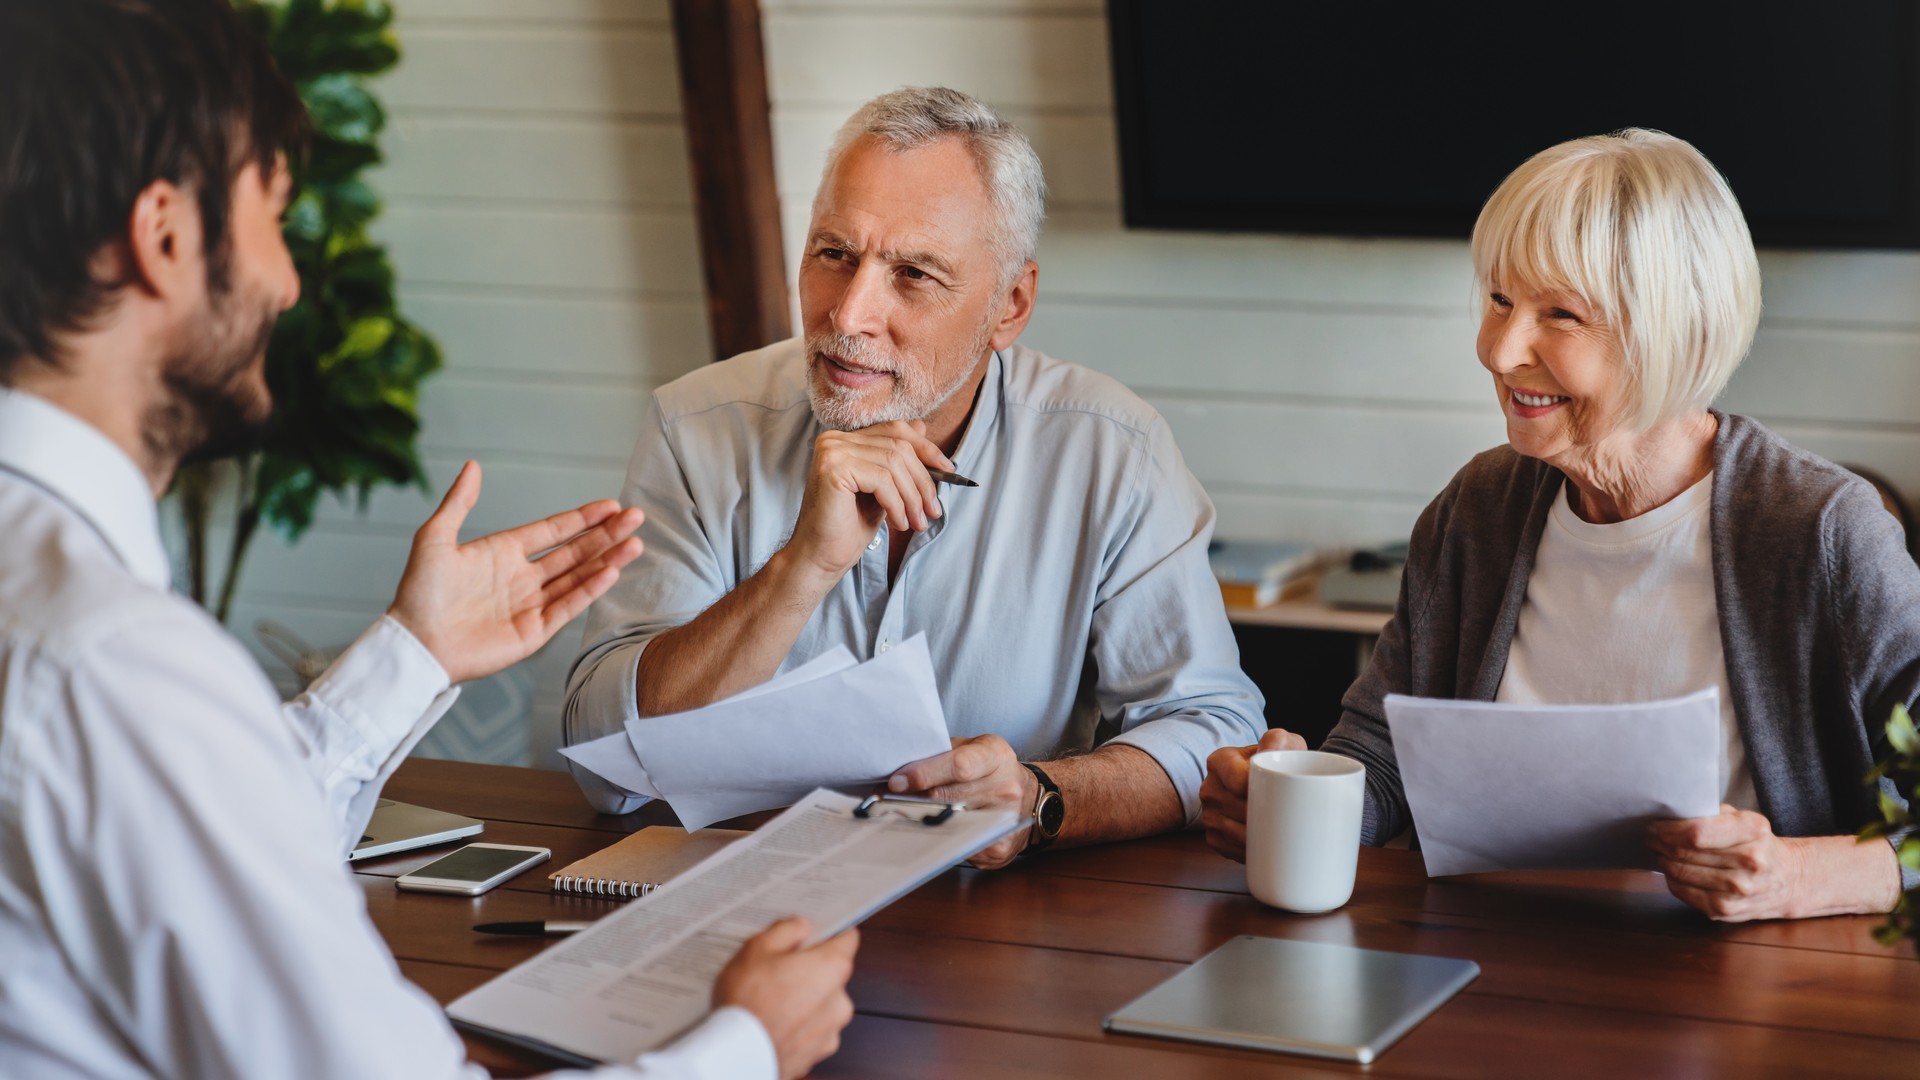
(474, 869)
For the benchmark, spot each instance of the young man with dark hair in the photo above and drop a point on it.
(172, 901)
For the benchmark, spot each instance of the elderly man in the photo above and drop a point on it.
(1066, 601)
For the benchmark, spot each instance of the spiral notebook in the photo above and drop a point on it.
(641, 862)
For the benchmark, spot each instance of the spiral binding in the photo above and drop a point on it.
(575, 883)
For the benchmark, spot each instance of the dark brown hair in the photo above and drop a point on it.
(98, 100)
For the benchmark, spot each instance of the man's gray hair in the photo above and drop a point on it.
(914, 116)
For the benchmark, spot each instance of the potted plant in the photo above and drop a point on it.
(1903, 768)
(344, 366)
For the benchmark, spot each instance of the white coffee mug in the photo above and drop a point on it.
(1303, 828)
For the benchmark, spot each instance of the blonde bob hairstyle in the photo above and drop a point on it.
(1640, 226)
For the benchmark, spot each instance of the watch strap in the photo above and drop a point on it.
(1042, 836)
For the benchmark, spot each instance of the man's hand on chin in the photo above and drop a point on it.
(980, 772)
(859, 480)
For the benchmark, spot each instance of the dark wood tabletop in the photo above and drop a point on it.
(1009, 973)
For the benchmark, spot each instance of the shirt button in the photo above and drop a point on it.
(885, 644)
(877, 537)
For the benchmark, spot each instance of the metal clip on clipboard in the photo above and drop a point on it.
(875, 806)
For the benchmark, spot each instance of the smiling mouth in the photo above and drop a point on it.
(1539, 401)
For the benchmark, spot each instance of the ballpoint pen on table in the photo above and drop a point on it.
(536, 928)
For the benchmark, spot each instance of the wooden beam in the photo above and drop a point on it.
(723, 90)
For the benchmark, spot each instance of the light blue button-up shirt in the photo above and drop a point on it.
(1067, 600)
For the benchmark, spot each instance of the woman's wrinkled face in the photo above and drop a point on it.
(1557, 368)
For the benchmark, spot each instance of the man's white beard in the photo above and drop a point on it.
(914, 396)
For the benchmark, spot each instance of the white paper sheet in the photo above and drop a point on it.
(641, 976)
(612, 757)
(760, 751)
(1533, 787)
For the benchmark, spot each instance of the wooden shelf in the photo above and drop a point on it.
(1310, 614)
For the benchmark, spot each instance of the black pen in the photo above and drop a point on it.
(548, 928)
(946, 477)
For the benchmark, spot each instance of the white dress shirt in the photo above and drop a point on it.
(1067, 600)
(1625, 612)
(173, 896)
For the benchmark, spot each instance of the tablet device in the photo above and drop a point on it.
(398, 826)
(1299, 997)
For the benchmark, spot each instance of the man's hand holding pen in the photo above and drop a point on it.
(859, 481)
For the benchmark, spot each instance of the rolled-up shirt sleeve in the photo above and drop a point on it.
(1167, 666)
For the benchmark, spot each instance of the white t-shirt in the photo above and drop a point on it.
(1624, 613)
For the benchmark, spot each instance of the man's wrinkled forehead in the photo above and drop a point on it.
(928, 200)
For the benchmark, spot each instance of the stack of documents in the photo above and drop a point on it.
(832, 722)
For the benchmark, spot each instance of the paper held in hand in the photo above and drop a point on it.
(644, 974)
(1553, 787)
(831, 722)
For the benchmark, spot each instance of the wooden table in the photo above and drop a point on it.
(1008, 974)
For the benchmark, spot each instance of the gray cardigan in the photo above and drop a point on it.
(1819, 620)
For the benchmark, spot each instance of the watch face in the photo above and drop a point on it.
(1052, 813)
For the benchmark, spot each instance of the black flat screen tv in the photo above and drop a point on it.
(1400, 118)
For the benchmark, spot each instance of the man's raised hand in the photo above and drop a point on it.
(488, 603)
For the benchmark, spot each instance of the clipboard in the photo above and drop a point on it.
(643, 975)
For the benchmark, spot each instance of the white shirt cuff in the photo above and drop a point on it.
(730, 1044)
(384, 684)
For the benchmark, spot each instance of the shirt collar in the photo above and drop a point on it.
(986, 410)
(85, 470)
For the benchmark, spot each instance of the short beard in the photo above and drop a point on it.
(209, 408)
(915, 396)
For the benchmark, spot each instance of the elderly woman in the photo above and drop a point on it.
(1632, 544)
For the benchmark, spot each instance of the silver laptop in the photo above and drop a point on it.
(398, 826)
(1300, 997)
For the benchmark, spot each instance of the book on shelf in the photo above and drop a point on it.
(1255, 575)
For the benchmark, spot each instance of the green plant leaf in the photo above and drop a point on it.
(1901, 732)
(342, 109)
(1892, 810)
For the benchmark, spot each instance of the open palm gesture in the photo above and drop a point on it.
(491, 602)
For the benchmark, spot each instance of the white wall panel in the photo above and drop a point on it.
(542, 159)
(496, 329)
(564, 248)
(1397, 356)
(590, 425)
(539, 12)
(1329, 449)
(832, 56)
(1839, 374)
(513, 491)
(604, 71)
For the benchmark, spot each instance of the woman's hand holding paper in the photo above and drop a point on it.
(1732, 867)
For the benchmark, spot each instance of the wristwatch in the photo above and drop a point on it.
(1049, 810)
